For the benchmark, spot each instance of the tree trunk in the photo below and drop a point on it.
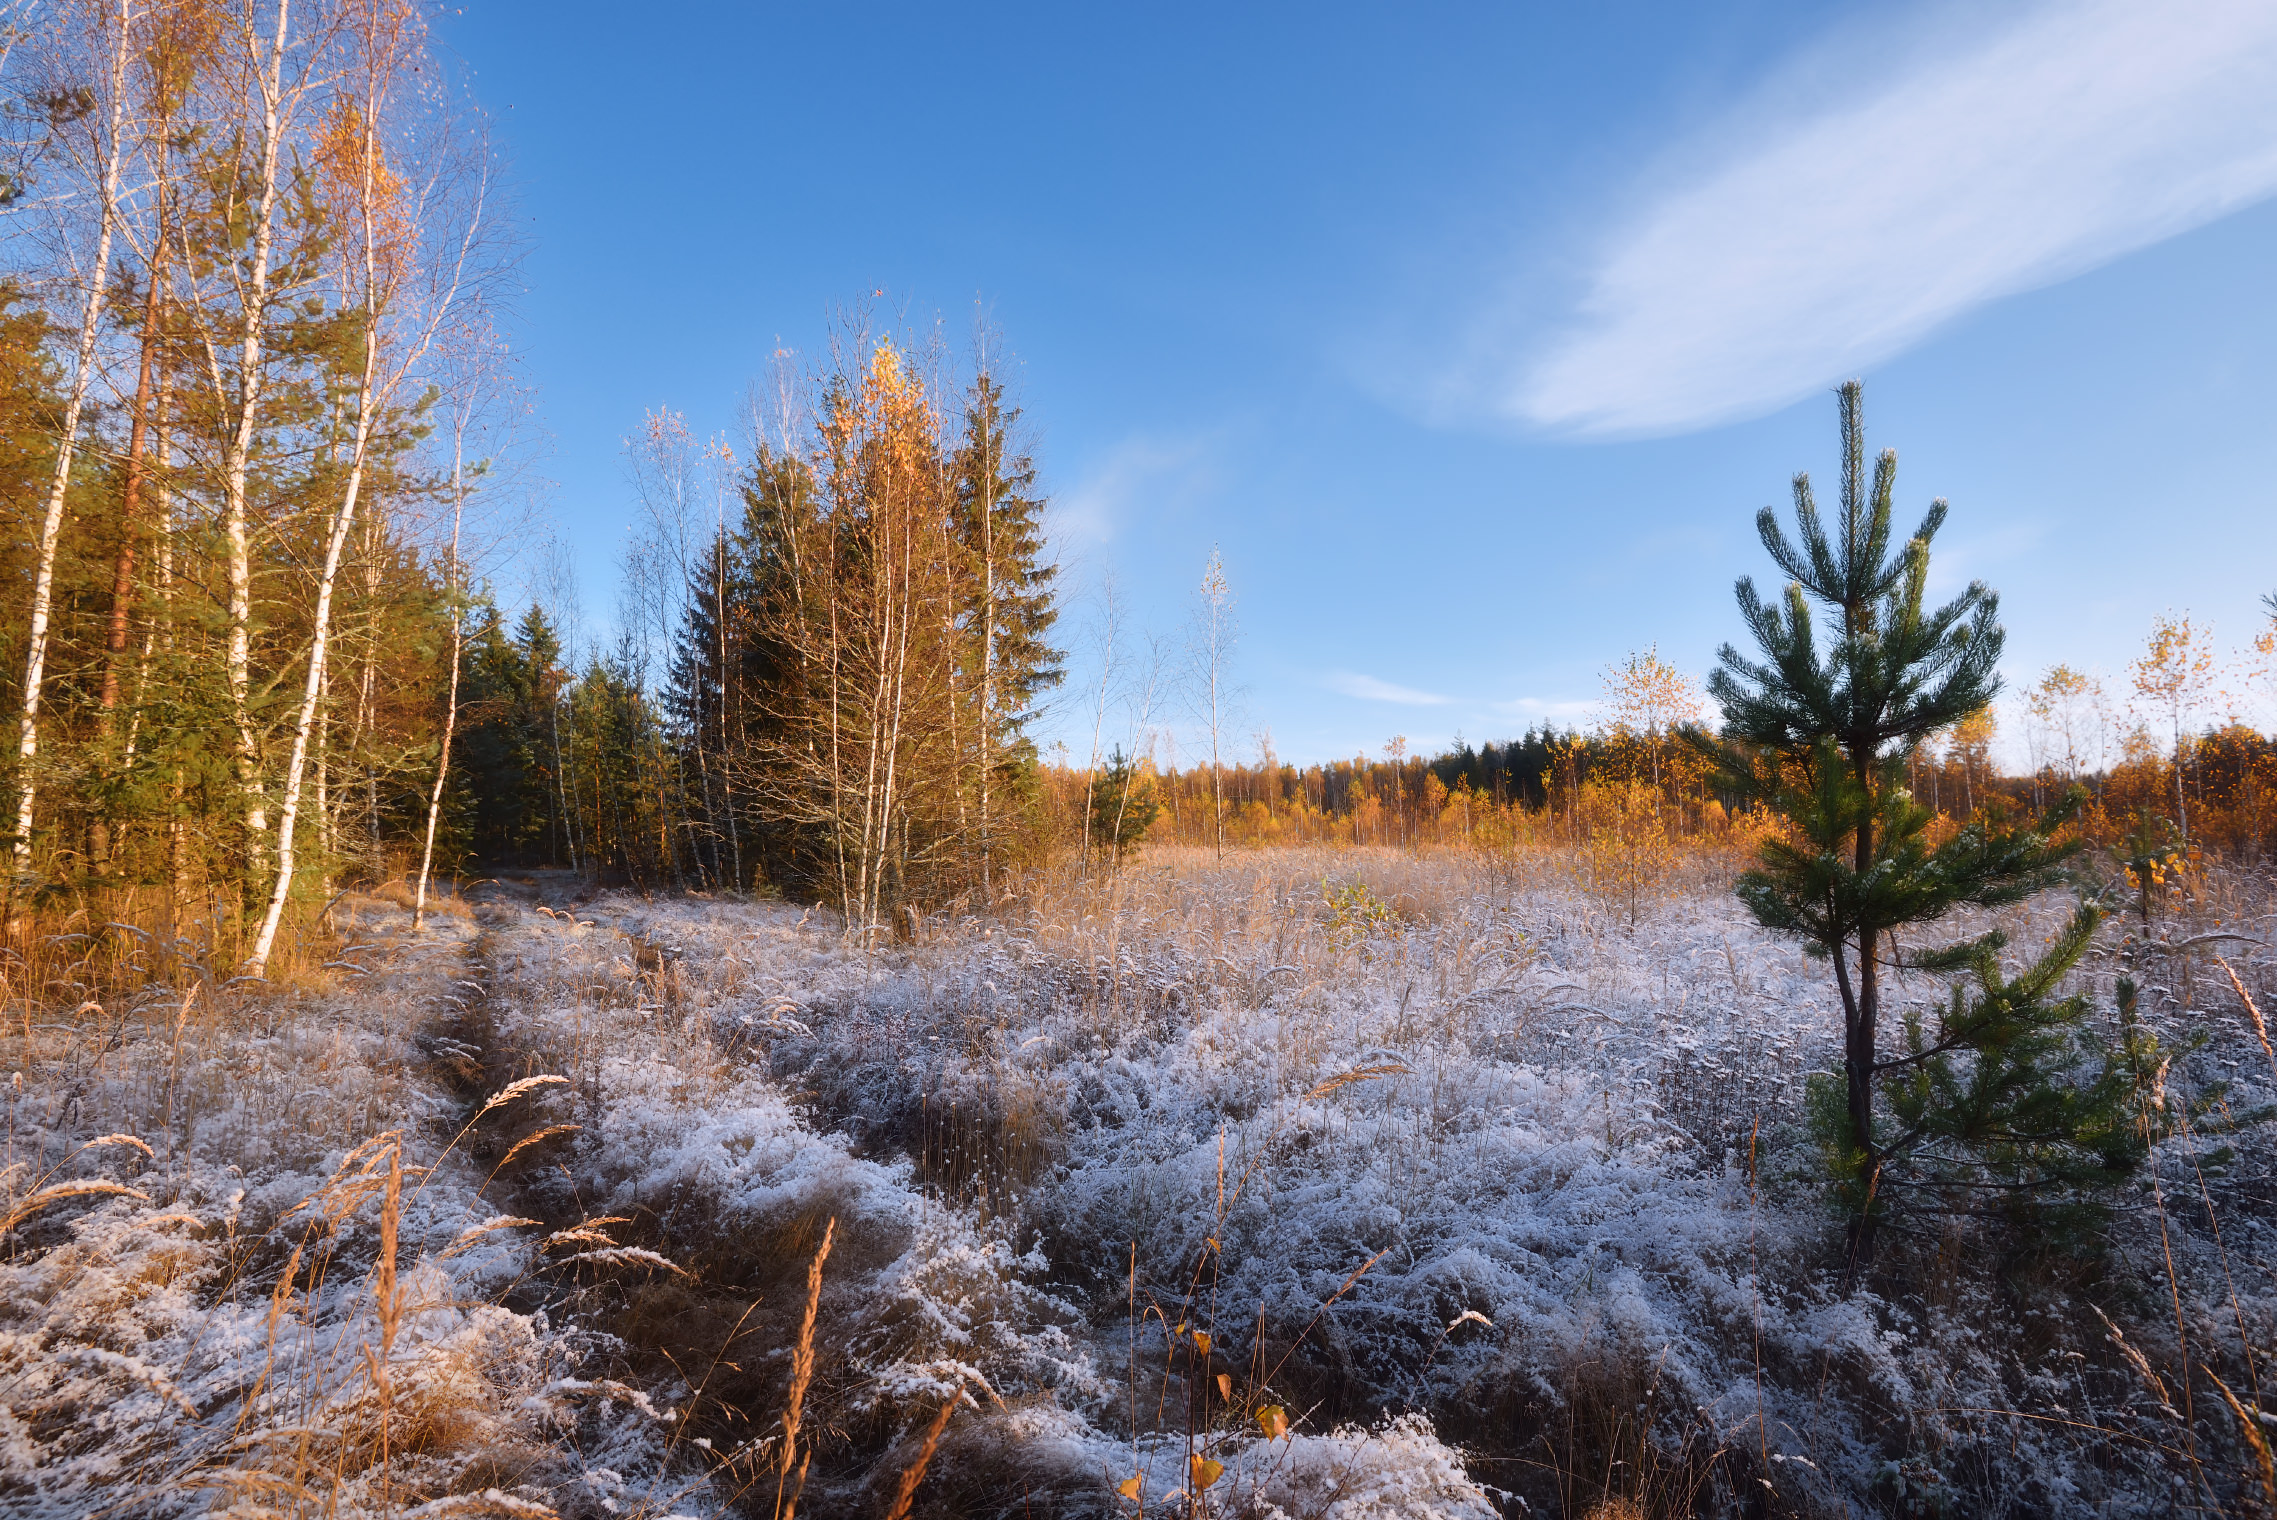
(2181, 815)
(237, 449)
(59, 480)
(367, 406)
(442, 765)
(163, 615)
(130, 495)
(324, 820)
(727, 687)
(1859, 1046)
(130, 500)
(561, 771)
(988, 658)
(313, 688)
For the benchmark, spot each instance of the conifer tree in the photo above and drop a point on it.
(1008, 589)
(615, 749)
(1823, 733)
(702, 701)
(1123, 806)
(766, 661)
(2011, 1105)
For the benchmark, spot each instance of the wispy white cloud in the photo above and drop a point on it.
(1141, 474)
(1825, 239)
(1369, 689)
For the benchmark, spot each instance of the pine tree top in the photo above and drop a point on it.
(1893, 672)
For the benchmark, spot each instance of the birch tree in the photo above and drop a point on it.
(1212, 654)
(2172, 678)
(102, 35)
(850, 551)
(1106, 629)
(465, 409)
(383, 214)
(233, 299)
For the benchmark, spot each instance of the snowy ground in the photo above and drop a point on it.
(1501, 1204)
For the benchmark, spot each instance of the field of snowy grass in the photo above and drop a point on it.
(1348, 1185)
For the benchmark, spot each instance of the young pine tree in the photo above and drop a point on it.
(1822, 732)
(2011, 1105)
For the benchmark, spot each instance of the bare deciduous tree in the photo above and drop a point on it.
(1211, 650)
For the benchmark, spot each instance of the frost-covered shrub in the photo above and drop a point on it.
(1485, 1180)
(1400, 1471)
(219, 1326)
(148, 1364)
(1509, 1109)
(956, 1310)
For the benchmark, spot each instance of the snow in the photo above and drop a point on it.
(1506, 1203)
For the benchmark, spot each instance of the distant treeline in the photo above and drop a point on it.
(1547, 784)
(552, 767)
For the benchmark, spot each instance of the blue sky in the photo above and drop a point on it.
(1473, 336)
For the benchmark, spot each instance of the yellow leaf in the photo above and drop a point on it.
(1206, 1472)
(1129, 1487)
(1201, 1343)
(1225, 1388)
(1274, 1421)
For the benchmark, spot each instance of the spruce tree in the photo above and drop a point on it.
(701, 700)
(1009, 605)
(505, 783)
(1123, 805)
(1011, 600)
(784, 529)
(1821, 730)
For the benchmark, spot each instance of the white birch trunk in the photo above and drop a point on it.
(336, 543)
(312, 689)
(113, 155)
(451, 703)
(237, 449)
(371, 396)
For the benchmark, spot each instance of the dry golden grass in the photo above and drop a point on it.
(282, 1070)
(442, 897)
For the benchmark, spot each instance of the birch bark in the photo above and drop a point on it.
(111, 155)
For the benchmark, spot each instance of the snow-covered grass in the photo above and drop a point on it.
(1564, 1158)
(221, 1325)
(1310, 1184)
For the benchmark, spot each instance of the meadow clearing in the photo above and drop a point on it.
(1309, 1183)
